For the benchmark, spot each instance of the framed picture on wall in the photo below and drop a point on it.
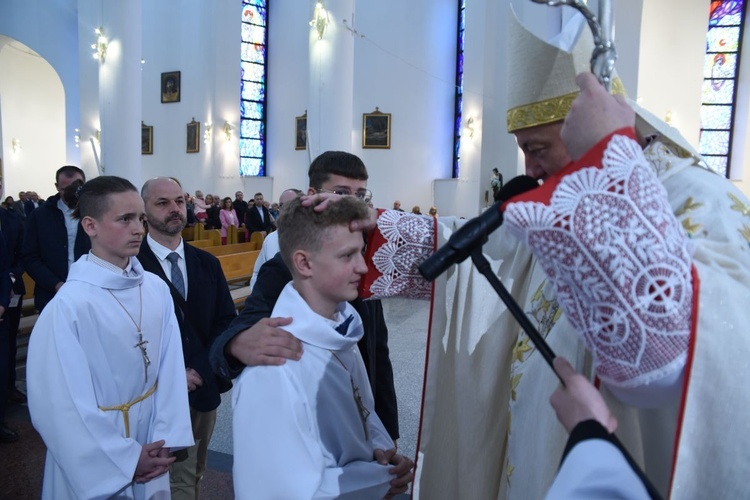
(170, 86)
(376, 130)
(193, 133)
(147, 139)
(300, 131)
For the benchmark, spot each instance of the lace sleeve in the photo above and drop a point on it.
(395, 249)
(618, 259)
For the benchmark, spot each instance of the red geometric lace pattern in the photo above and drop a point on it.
(617, 257)
(409, 241)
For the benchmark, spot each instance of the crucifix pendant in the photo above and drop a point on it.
(363, 411)
(146, 360)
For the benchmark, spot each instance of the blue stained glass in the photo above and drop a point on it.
(718, 91)
(716, 117)
(251, 148)
(461, 19)
(253, 34)
(720, 66)
(726, 12)
(722, 39)
(251, 167)
(251, 128)
(253, 52)
(254, 14)
(461, 23)
(717, 163)
(251, 110)
(253, 72)
(253, 91)
(714, 143)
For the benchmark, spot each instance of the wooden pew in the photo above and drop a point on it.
(202, 243)
(257, 237)
(230, 249)
(238, 267)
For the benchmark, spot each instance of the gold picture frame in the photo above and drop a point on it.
(376, 130)
(147, 139)
(300, 131)
(170, 87)
(193, 137)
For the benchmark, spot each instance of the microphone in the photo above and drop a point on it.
(475, 232)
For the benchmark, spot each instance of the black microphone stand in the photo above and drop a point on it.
(483, 266)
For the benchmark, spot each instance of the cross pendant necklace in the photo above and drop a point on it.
(141, 343)
(361, 408)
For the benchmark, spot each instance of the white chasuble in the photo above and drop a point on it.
(85, 354)
(308, 428)
(487, 425)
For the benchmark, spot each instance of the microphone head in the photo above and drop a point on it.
(515, 186)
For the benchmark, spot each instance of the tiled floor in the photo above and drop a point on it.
(22, 463)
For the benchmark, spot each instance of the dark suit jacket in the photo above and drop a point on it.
(19, 207)
(240, 208)
(30, 206)
(210, 310)
(12, 230)
(272, 278)
(45, 249)
(253, 222)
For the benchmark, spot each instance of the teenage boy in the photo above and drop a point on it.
(106, 379)
(308, 428)
(257, 338)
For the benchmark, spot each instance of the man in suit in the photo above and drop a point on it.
(11, 294)
(258, 218)
(240, 206)
(32, 202)
(204, 309)
(19, 206)
(53, 240)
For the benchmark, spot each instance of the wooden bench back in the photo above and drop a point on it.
(238, 266)
(230, 249)
(201, 243)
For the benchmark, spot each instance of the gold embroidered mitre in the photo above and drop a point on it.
(542, 84)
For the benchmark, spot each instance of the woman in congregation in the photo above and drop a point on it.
(228, 217)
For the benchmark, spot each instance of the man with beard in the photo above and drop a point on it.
(204, 309)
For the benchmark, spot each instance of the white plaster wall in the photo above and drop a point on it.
(33, 111)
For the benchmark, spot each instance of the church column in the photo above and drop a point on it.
(331, 98)
(120, 91)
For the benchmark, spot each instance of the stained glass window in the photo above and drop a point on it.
(720, 74)
(253, 88)
(459, 90)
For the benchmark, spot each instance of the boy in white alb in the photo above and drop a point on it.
(308, 428)
(106, 380)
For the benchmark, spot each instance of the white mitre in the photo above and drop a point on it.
(542, 85)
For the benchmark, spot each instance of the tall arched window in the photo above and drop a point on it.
(720, 81)
(253, 88)
(459, 89)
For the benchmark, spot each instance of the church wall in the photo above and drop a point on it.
(33, 111)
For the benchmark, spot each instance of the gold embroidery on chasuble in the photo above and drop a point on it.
(689, 205)
(739, 205)
(745, 232)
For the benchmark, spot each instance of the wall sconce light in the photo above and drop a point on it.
(100, 47)
(77, 138)
(98, 136)
(228, 131)
(470, 127)
(671, 118)
(207, 133)
(15, 144)
(320, 19)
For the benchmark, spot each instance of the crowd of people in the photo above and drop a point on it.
(215, 212)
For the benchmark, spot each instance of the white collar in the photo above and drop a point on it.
(162, 252)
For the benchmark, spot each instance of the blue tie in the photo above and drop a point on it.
(343, 328)
(177, 280)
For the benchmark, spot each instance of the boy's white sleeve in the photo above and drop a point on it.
(96, 459)
(277, 451)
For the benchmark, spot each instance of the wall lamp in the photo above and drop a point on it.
(228, 131)
(100, 47)
(320, 19)
(470, 127)
(207, 133)
(15, 144)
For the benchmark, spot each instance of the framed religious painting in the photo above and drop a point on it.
(376, 130)
(147, 139)
(193, 134)
(300, 131)
(170, 86)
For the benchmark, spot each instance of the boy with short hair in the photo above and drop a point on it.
(308, 428)
(106, 379)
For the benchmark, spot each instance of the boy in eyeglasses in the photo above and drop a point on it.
(254, 338)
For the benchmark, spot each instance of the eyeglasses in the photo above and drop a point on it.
(363, 194)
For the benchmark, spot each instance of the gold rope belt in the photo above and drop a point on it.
(125, 408)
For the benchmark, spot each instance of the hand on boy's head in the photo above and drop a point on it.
(153, 462)
(327, 198)
(265, 343)
(579, 400)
